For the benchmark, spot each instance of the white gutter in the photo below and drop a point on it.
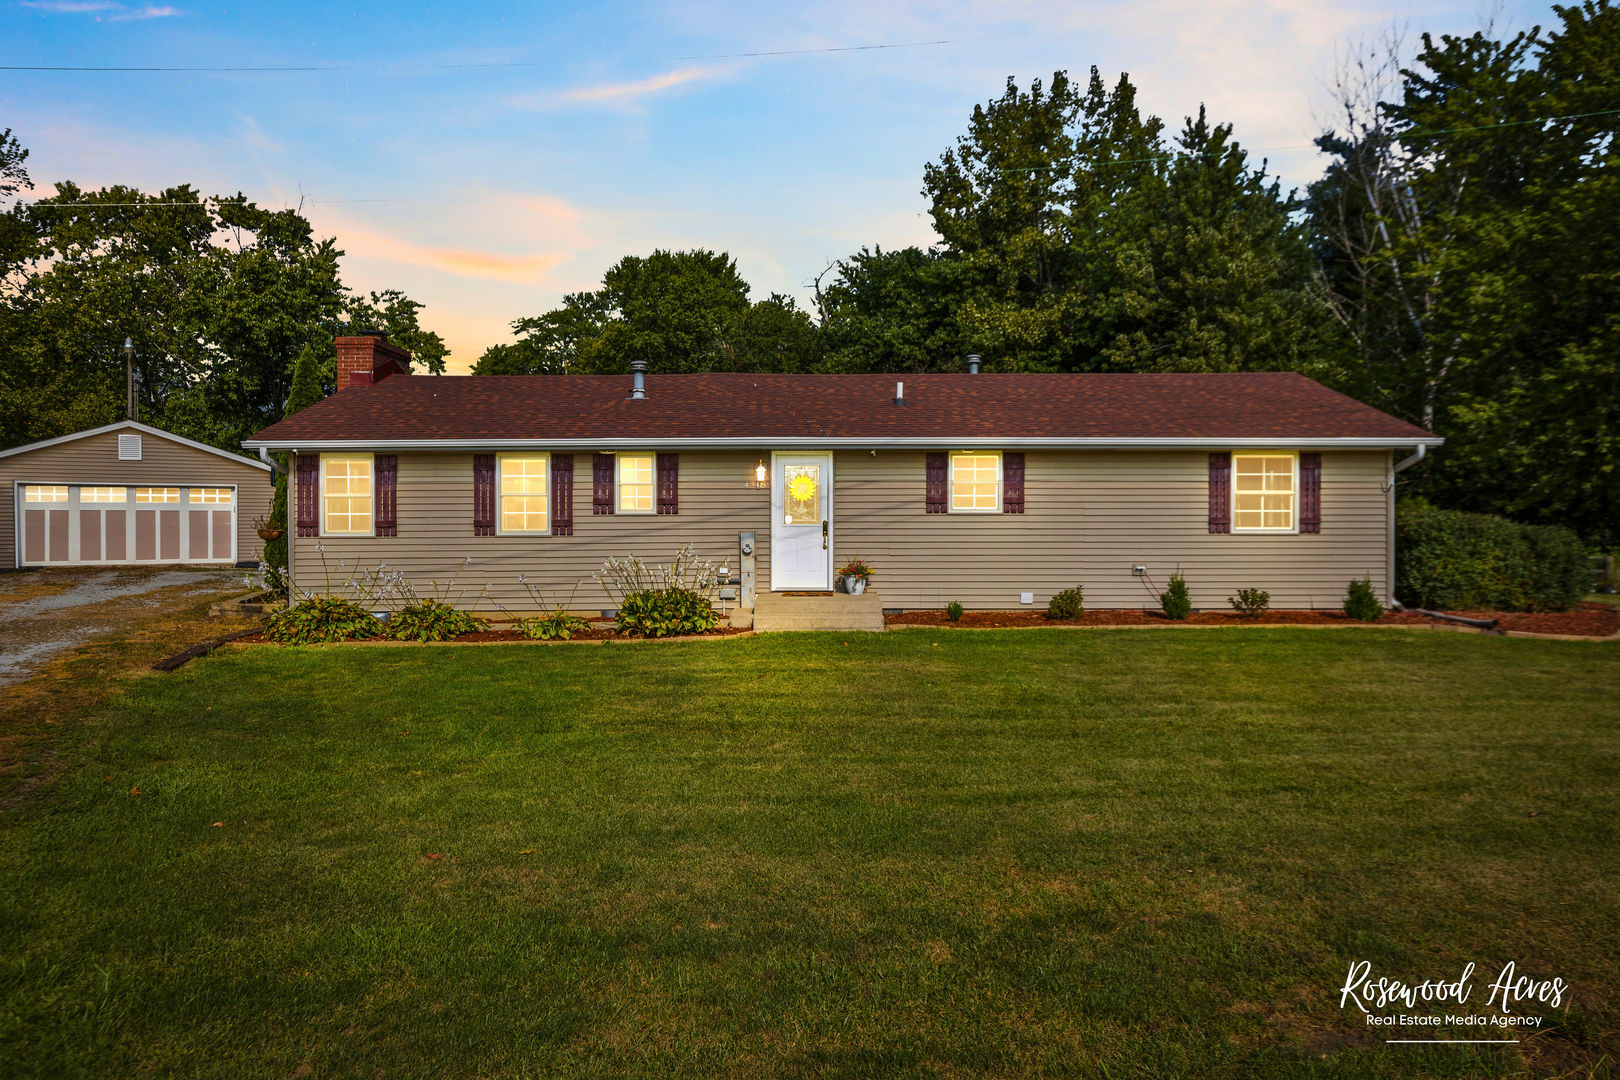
(264, 456)
(1408, 462)
(813, 442)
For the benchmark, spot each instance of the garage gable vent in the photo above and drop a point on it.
(129, 448)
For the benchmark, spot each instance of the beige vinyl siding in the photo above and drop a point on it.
(434, 504)
(1090, 516)
(164, 463)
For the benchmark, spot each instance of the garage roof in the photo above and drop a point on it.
(133, 425)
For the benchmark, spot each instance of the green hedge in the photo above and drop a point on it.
(1457, 561)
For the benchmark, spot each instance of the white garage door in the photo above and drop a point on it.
(77, 524)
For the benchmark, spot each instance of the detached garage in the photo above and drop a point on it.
(126, 494)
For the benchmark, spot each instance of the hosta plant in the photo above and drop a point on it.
(432, 620)
(318, 619)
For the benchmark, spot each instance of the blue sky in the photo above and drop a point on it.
(489, 191)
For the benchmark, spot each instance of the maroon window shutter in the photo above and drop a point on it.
(1220, 492)
(562, 494)
(1012, 483)
(669, 482)
(483, 494)
(602, 484)
(1310, 491)
(309, 478)
(934, 489)
(387, 481)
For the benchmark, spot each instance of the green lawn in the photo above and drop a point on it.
(1121, 854)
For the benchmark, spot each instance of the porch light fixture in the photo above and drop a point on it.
(759, 472)
(761, 479)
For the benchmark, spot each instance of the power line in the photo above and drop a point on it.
(406, 69)
(91, 205)
(803, 52)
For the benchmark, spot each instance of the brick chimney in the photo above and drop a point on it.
(368, 358)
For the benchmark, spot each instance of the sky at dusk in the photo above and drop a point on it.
(488, 159)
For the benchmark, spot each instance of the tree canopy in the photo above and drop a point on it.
(216, 295)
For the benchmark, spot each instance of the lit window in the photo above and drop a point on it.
(157, 495)
(102, 495)
(525, 500)
(211, 495)
(635, 484)
(975, 483)
(1263, 488)
(45, 493)
(345, 495)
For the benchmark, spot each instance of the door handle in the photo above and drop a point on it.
(823, 536)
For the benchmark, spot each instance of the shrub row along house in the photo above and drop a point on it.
(996, 490)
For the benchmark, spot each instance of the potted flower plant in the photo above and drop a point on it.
(267, 528)
(855, 574)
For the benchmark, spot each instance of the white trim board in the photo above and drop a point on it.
(135, 425)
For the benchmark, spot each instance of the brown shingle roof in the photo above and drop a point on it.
(767, 408)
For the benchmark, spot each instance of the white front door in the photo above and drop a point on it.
(801, 521)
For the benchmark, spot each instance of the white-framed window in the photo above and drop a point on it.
(975, 482)
(635, 483)
(211, 495)
(524, 486)
(346, 494)
(103, 495)
(157, 495)
(1265, 490)
(45, 493)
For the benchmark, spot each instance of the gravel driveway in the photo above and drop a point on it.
(45, 613)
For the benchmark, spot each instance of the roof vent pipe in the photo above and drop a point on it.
(638, 379)
(899, 393)
(973, 363)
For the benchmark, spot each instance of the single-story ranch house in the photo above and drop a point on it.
(994, 490)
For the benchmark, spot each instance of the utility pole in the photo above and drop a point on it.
(129, 378)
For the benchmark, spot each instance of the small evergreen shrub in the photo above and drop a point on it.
(432, 620)
(559, 625)
(953, 610)
(1175, 600)
(1250, 602)
(1068, 604)
(666, 612)
(1360, 602)
(321, 619)
(1456, 561)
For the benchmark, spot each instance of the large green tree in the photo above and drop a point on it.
(217, 296)
(1074, 237)
(1468, 219)
(681, 311)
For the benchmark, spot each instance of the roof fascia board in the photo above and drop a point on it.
(133, 425)
(841, 443)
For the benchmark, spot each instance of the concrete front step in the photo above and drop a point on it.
(818, 611)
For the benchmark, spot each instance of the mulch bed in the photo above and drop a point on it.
(1588, 619)
(598, 632)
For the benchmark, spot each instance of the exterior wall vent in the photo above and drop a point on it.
(129, 448)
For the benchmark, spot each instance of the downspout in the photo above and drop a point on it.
(1398, 468)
